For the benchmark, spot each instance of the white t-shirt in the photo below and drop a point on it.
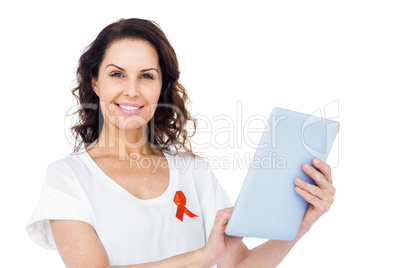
(131, 230)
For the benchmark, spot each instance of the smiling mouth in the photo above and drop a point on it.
(129, 108)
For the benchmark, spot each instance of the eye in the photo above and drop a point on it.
(147, 76)
(116, 74)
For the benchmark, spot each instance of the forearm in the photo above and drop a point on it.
(272, 252)
(188, 259)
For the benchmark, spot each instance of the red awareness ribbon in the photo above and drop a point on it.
(180, 201)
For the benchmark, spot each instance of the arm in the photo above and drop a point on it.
(276, 249)
(268, 254)
(79, 246)
(272, 252)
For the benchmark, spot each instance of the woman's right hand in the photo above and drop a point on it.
(220, 244)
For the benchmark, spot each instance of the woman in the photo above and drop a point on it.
(129, 197)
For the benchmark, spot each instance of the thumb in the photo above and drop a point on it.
(222, 218)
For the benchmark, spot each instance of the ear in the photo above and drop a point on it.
(94, 83)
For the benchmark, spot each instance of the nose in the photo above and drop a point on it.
(132, 88)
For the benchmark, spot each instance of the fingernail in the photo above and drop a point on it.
(317, 161)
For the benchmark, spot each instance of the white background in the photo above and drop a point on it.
(300, 55)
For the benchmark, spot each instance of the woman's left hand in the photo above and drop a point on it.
(321, 196)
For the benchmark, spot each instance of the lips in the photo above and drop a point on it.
(131, 104)
(129, 108)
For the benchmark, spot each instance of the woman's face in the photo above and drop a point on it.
(129, 83)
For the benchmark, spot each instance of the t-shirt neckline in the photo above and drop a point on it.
(166, 196)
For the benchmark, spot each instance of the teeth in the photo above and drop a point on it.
(130, 108)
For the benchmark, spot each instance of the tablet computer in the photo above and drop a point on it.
(268, 205)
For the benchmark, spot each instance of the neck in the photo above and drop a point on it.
(124, 143)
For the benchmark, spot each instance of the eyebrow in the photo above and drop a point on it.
(122, 69)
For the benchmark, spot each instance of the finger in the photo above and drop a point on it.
(222, 217)
(324, 168)
(317, 176)
(312, 189)
(317, 203)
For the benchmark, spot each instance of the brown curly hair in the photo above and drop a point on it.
(167, 126)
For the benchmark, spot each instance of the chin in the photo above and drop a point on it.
(133, 125)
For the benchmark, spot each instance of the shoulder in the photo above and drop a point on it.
(67, 166)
